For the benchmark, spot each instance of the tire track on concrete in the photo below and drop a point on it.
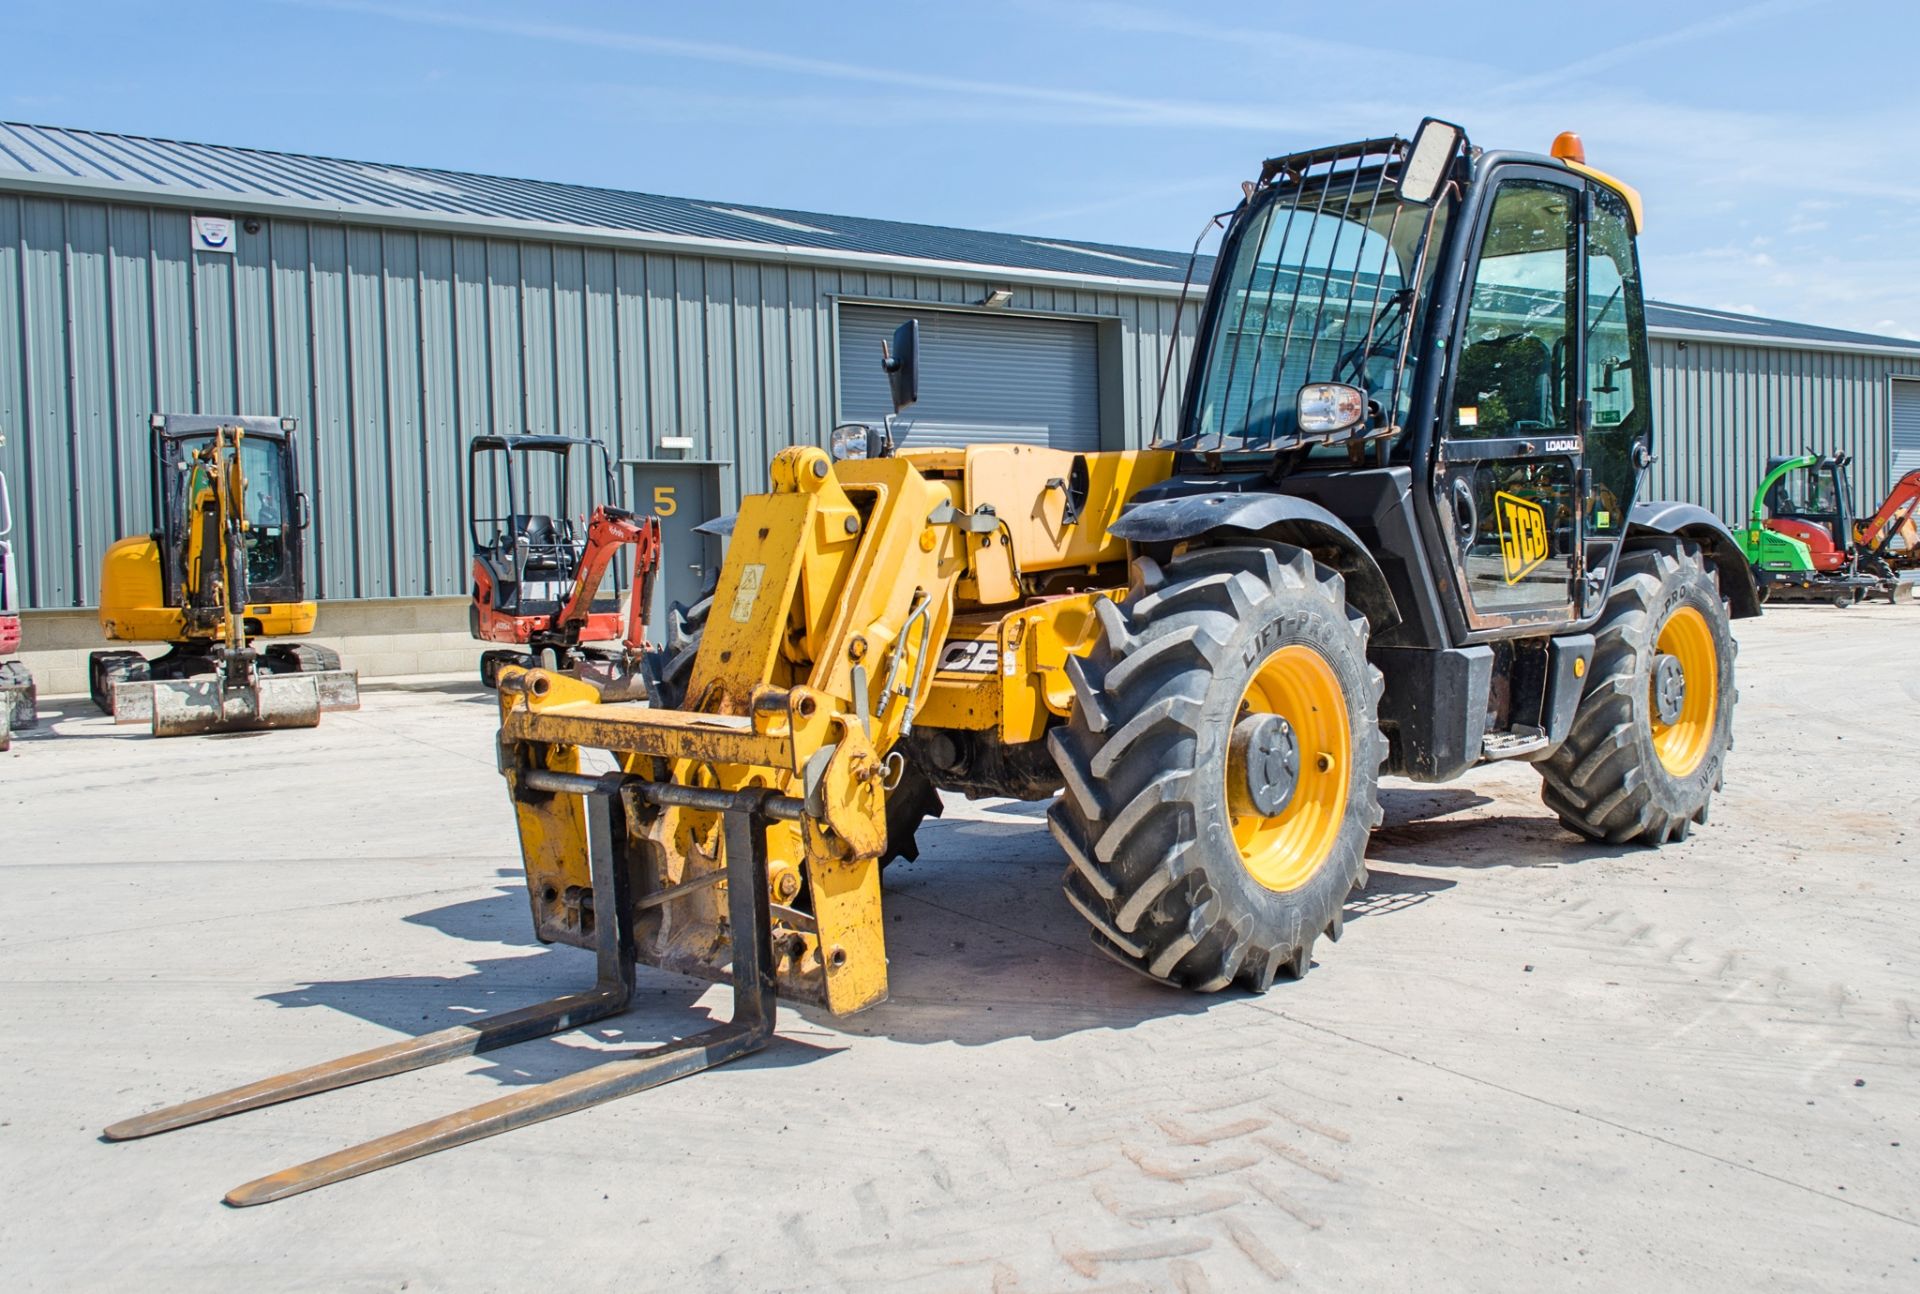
(1590, 1117)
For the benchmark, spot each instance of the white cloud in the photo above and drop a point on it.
(1707, 170)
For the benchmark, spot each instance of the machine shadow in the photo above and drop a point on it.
(664, 1007)
(981, 946)
(72, 710)
(1419, 827)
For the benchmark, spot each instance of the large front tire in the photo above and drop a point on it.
(1221, 766)
(1649, 742)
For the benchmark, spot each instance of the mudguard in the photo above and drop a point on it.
(1170, 520)
(1691, 521)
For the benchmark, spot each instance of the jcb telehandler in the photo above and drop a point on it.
(222, 567)
(540, 568)
(1396, 531)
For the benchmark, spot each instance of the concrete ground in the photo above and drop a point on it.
(1530, 1062)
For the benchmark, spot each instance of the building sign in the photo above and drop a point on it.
(213, 234)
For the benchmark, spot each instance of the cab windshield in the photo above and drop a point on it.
(269, 513)
(1319, 285)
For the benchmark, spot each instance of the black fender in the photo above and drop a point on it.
(1716, 539)
(1277, 516)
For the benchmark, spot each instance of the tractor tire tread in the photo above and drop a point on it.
(1604, 781)
(1151, 890)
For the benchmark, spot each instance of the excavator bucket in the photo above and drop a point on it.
(207, 704)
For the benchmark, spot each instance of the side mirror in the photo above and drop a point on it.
(901, 360)
(1429, 159)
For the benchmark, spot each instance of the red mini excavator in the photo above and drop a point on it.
(540, 568)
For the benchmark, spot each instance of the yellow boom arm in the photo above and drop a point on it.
(822, 647)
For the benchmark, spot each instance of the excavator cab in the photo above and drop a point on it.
(528, 498)
(548, 537)
(276, 515)
(1812, 503)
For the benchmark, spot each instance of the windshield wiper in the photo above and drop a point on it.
(1376, 342)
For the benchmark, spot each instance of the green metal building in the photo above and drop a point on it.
(397, 312)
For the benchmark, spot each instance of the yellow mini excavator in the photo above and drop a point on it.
(222, 567)
(1395, 530)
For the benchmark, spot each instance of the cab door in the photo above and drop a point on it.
(1508, 473)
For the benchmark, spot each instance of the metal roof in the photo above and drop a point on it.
(105, 164)
(226, 175)
(1725, 325)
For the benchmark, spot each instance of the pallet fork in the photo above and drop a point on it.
(745, 816)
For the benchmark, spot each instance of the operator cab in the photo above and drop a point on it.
(1419, 324)
(275, 509)
(1816, 494)
(529, 498)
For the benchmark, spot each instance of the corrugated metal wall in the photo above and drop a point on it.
(1721, 410)
(394, 347)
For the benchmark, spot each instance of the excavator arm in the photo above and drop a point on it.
(1896, 518)
(608, 531)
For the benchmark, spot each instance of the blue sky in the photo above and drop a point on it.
(1774, 141)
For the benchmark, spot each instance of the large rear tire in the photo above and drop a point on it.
(1649, 742)
(1221, 765)
(673, 663)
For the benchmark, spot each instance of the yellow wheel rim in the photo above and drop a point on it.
(1683, 743)
(1283, 852)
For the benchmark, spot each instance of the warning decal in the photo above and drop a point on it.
(751, 577)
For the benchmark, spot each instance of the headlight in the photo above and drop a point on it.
(849, 440)
(1327, 407)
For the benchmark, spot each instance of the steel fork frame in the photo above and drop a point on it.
(746, 815)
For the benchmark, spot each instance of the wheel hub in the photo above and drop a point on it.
(1669, 688)
(1267, 754)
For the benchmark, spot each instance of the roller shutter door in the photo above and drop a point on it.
(983, 378)
(1906, 428)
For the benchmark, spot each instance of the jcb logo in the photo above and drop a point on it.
(1523, 534)
(967, 656)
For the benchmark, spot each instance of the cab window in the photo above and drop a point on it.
(1513, 371)
(1616, 362)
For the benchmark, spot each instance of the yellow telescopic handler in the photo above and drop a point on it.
(1395, 530)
